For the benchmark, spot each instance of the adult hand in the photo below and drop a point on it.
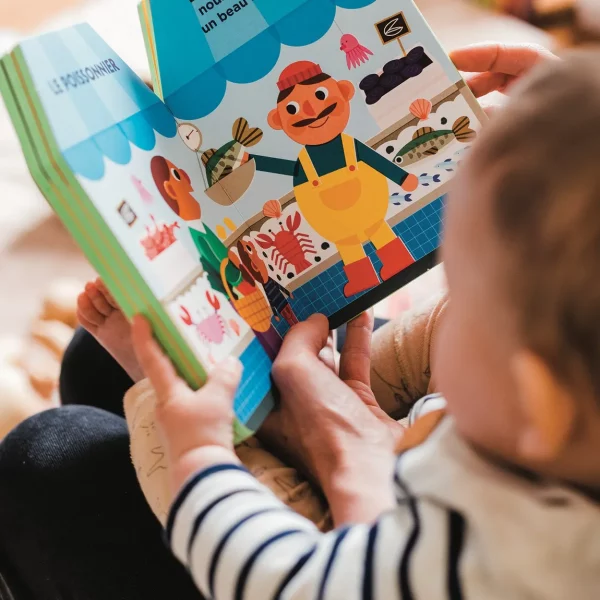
(333, 425)
(494, 67)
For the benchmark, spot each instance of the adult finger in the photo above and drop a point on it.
(486, 83)
(155, 365)
(509, 59)
(355, 361)
(491, 109)
(327, 354)
(223, 382)
(306, 338)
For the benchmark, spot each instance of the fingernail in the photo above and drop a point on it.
(231, 365)
(316, 317)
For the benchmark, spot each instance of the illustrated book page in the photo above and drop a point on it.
(106, 153)
(328, 133)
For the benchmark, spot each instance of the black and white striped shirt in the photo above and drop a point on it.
(462, 528)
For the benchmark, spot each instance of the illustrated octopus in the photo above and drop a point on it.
(356, 53)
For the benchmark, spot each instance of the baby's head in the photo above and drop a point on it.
(518, 358)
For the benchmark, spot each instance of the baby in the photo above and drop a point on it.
(400, 375)
(500, 500)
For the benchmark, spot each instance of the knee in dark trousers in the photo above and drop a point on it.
(73, 521)
(91, 376)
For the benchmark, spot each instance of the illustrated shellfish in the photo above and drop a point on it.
(272, 209)
(421, 108)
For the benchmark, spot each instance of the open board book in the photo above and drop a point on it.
(293, 159)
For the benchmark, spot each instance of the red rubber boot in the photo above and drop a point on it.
(395, 258)
(361, 277)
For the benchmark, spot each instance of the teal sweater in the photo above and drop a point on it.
(328, 158)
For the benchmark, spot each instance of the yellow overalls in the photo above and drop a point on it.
(346, 207)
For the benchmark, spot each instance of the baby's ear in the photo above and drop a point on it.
(547, 408)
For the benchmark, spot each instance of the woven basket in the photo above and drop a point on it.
(254, 308)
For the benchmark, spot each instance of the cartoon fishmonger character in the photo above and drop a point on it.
(340, 184)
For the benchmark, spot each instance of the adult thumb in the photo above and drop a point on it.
(309, 337)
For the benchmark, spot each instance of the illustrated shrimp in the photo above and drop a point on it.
(289, 246)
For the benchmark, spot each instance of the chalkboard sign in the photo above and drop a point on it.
(392, 28)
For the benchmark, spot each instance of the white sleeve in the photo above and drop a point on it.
(240, 542)
(426, 405)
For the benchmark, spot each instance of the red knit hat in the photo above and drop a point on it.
(298, 72)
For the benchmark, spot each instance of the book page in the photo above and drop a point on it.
(360, 122)
(129, 186)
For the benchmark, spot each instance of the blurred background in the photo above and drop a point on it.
(41, 270)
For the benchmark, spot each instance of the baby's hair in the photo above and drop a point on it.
(543, 158)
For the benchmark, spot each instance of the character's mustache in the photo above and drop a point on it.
(324, 114)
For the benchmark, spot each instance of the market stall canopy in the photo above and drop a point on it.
(200, 48)
(93, 122)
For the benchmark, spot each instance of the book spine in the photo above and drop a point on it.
(145, 17)
(68, 199)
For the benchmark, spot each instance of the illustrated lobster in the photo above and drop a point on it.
(289, 247)
(213, 329)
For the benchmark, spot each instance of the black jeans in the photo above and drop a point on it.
(74, 524)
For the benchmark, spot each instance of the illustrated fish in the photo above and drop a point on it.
(462, 151)
(448, 165)
(428, 142)
(222, 162)
(426, 180)
(397, 200)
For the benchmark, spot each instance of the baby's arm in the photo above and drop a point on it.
(401, 364)
(148, 455)
(236, 538)
(400, 376)
(238, 541)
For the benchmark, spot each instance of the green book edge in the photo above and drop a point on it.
(78, 210)
(73, 206)
(25, 134)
